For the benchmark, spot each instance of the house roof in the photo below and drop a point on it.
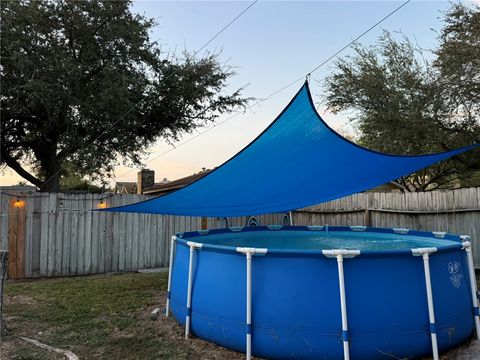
(126, 186)
(162, 189)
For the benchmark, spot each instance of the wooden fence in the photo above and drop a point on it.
(59, 235)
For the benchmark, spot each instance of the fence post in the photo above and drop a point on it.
(367, 215)
(367, 218)
(204, 225)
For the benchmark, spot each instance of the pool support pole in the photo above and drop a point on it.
(467, 245)
(248, 254)
(170, 266)
(193, 246)
(249, 305)
(340, 254)
(425, 253)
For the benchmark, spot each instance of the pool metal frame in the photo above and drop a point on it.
(464, 243)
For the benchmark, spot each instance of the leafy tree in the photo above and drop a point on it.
(77, 183)
(71, 181)
(458, 62)
(403, 103)
(458, 66)
(84, 86)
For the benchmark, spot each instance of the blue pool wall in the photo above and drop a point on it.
(296, 302)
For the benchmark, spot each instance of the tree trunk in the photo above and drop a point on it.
(51, 168)
(52, 182)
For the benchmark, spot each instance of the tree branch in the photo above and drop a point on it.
(102, 24)
(15, 165)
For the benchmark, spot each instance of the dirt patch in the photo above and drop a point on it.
(168, 327)
(197, 348)
(7, 346)
(469, 351)
(19, 300)
(16, 349)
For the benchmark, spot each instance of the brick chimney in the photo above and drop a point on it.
(145, 180)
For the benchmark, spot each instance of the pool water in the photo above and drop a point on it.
(313, 240)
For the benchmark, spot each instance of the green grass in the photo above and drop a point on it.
(104, 317)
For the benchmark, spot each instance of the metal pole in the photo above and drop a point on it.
(428, 283)
(249, 305)
(192, 246)
(340, 255)
(473, 285)
(170, 266)
(249, 252)
(343, 306)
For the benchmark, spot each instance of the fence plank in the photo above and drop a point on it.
(115, 234)
(44, 217)
(74, 233)
(81, 238)
(16, 241)
(67, 244)
(122, 237)
(135, 238)
(4, 198)
(87, 268)
(36, 234)
(29, 205)
(52, 221)
(109, 245)
(102, 241)
(57, 241)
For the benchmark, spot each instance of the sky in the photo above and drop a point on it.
(270, 45)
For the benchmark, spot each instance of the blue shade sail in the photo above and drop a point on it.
(296, 162)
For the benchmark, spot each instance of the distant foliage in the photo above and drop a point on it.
(83, 85)
(403, 103)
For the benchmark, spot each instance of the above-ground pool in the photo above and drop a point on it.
(324, 292)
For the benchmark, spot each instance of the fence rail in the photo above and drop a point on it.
(51, 234)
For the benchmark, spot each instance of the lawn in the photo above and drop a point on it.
(108, 317)
(98, 317)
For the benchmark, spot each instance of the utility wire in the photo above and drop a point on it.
(279, 90)
(163, 80)
(213, 127)
(22, 195)
(226, 26)
(362, 34)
